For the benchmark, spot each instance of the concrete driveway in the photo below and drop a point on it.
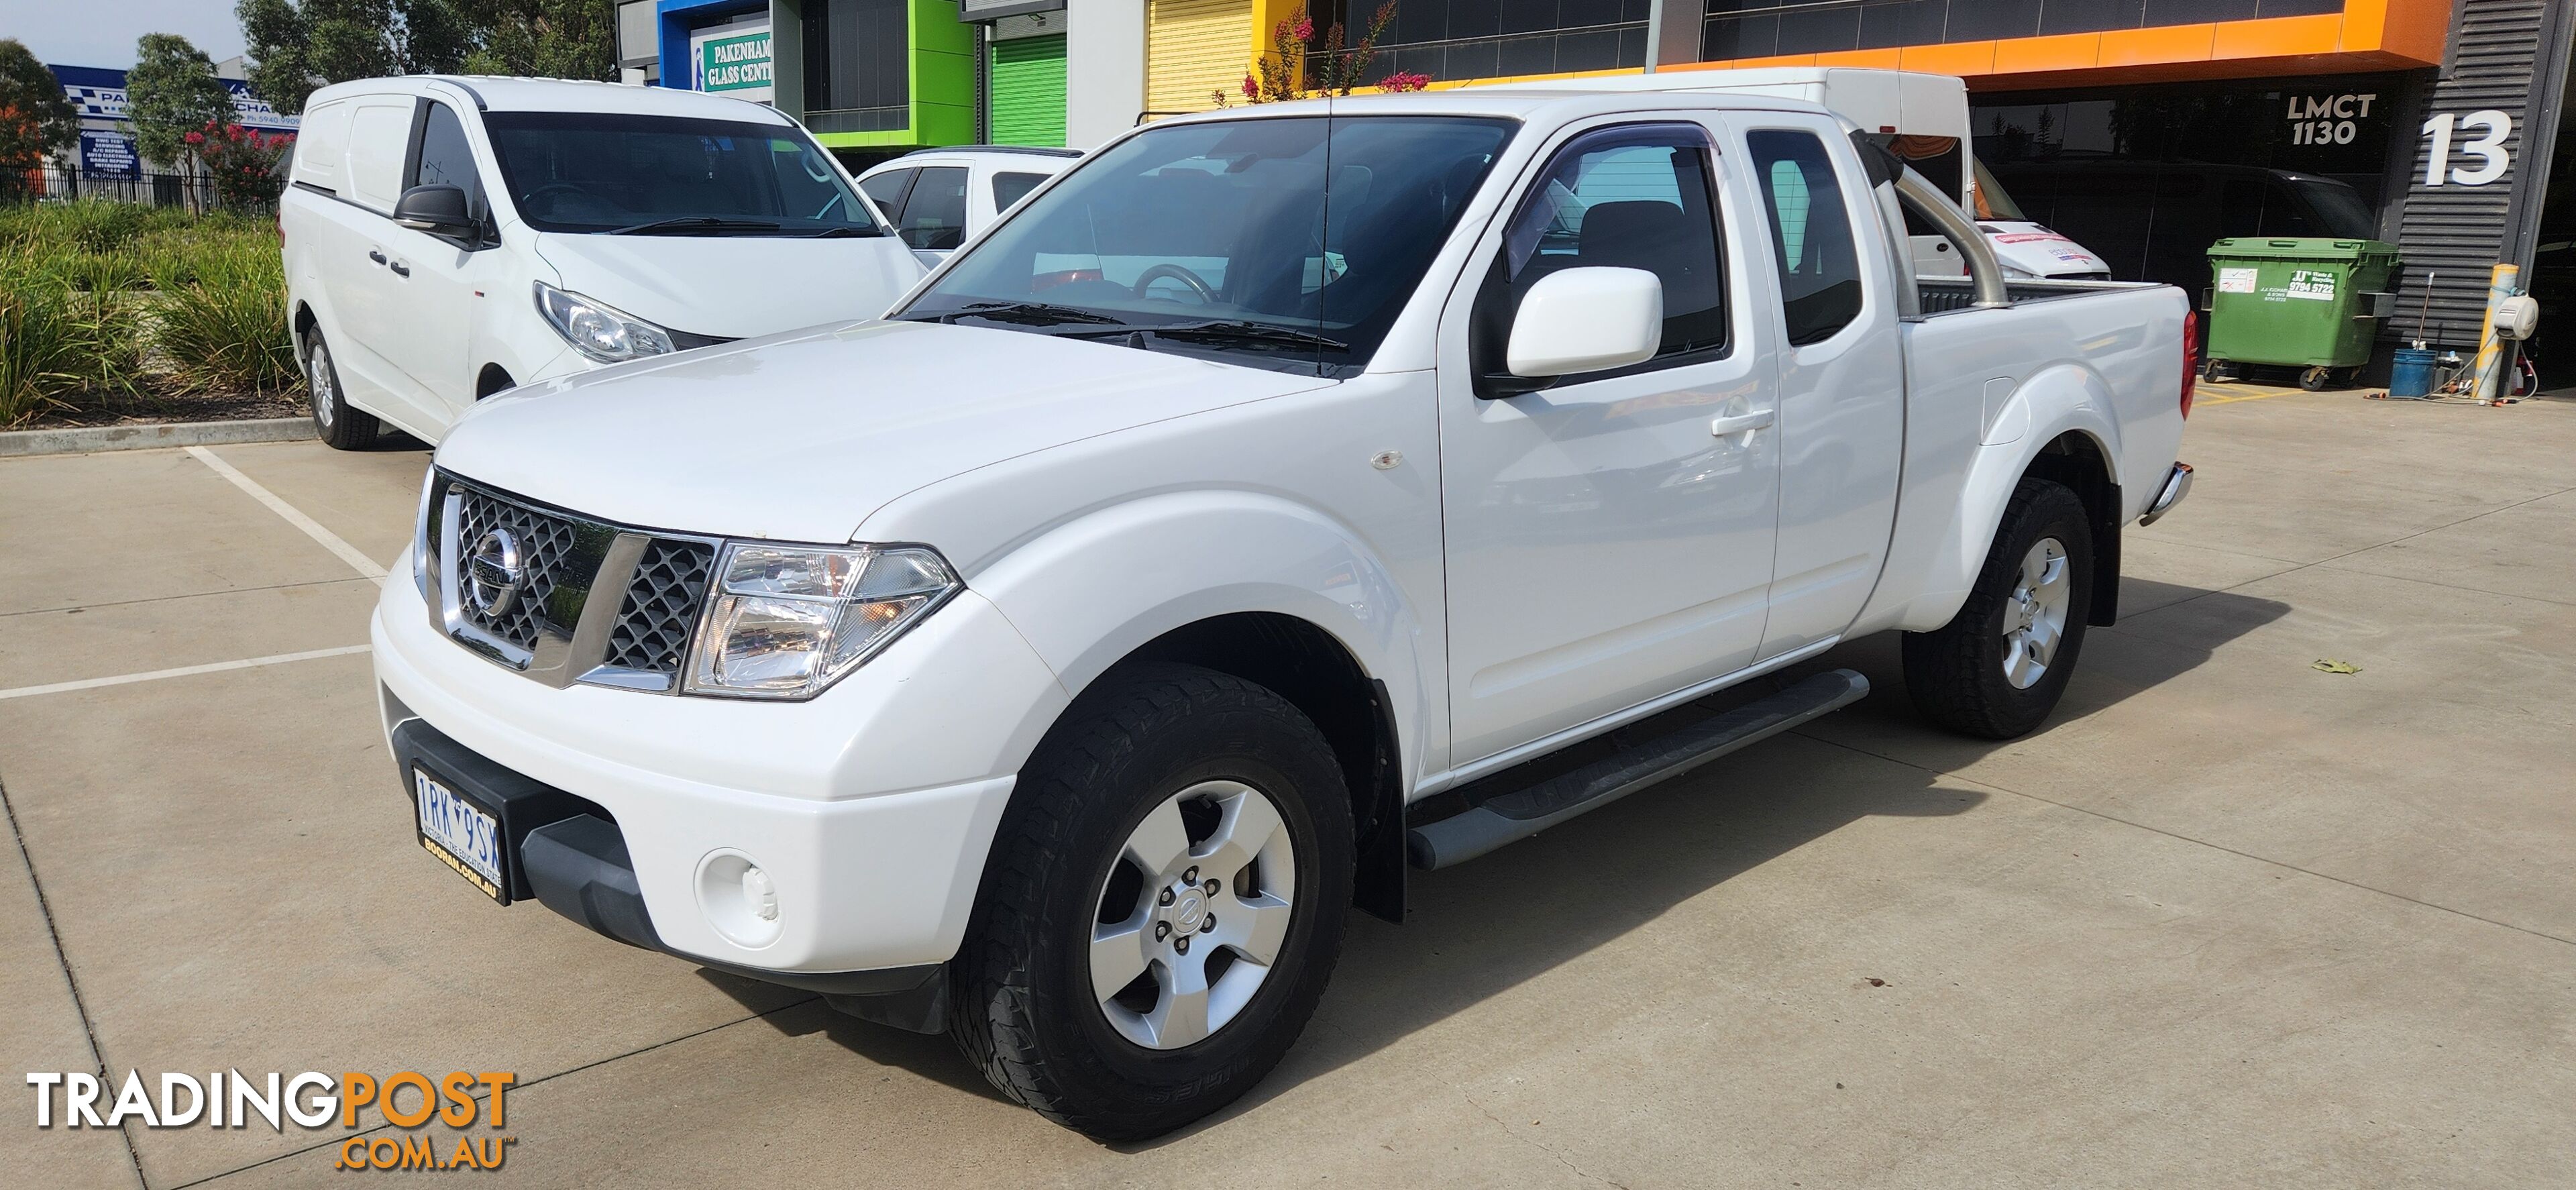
(2229, 920)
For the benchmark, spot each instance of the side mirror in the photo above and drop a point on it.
(1587, 320)
(438, 210)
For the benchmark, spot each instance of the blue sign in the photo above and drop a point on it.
(109, 153)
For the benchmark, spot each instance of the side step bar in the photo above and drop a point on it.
(1517, 813)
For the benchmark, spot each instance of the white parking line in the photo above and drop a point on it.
(330, 541)
(181, 672)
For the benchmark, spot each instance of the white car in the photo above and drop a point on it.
(1281, 495)
(448, 238)
(938, 199)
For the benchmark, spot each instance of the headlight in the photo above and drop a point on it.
(788, 621)
(598, 330)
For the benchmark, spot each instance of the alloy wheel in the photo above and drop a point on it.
(2035, 615)
(1193, 914)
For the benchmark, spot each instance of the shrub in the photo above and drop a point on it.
(56, 343)
(220, 321)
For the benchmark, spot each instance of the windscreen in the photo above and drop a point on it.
(596, 172)
(1284, 242)
(1995, 202)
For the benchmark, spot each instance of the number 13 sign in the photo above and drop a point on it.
(2488, 148)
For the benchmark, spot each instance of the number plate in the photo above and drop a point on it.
(460, 834)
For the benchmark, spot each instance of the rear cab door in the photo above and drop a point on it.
(1831, 272)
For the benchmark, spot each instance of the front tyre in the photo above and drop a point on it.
(1162, 908)
(334, 422)
(1999, 666)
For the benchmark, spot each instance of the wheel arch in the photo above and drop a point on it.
(1248, 584)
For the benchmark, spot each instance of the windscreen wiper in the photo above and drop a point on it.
(696, 223)
(847, 230)
(1237, 331)
(1033, 313)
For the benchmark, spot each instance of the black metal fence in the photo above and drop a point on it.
(156, 189)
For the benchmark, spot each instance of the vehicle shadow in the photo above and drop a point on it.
(1481, 929)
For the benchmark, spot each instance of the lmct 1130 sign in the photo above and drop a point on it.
(733, 60)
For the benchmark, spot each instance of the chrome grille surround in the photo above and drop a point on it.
(559, 597)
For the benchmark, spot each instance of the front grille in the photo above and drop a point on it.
(547, 543)
(661, 607)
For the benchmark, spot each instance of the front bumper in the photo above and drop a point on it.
(871, 807)
(2176, 486)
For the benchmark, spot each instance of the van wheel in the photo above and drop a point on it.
(1998, 667)
(334, 422)
(1162, 907)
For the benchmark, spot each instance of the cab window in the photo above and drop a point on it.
(1811, 236)
(1634, 197)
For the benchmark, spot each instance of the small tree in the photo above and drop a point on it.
(297, 46)
(36, 121)
(1300, 62)
(173, 92)
(566, 39)
(242, 163)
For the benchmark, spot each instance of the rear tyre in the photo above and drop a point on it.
(1162, 908)
(1998, 667)
(334, 422)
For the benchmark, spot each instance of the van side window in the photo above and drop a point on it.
(1635, 197)
(886, 190)
(446, 159)
(1009, 188)
(934, 214)
(1811, 236)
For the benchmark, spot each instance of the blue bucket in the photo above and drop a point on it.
(2412, 377)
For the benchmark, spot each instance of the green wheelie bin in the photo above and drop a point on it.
(2312, 303)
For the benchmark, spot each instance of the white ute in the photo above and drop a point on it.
(448, 238)
(1278, 496)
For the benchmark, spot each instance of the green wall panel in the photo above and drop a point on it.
(1028, 91)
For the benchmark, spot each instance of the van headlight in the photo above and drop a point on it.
(598, 330)
(788, 621)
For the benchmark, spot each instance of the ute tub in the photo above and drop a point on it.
(871, 806)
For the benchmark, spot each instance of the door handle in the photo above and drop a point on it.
(375, 256)
(1740, 423)
(401, 269)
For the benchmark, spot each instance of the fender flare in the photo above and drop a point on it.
(1178, 558)
(2051, 404)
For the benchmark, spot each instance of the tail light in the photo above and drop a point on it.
(2190, 357)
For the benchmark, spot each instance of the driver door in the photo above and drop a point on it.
(1608, 536)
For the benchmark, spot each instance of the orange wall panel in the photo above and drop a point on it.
(2073, 51)
(1962, 58)
(2278, 37)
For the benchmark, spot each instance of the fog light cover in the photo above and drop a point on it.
(739, 899)
(788, 621)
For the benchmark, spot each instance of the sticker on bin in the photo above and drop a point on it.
(2316, 285)
(2235, 280)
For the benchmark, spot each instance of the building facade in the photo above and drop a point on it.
(878, 78)
(2145, 128)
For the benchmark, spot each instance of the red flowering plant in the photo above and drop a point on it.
(1301, 63)
(241, 162)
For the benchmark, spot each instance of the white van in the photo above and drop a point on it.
(1924, 119)
(448, 238)
(938, 199)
